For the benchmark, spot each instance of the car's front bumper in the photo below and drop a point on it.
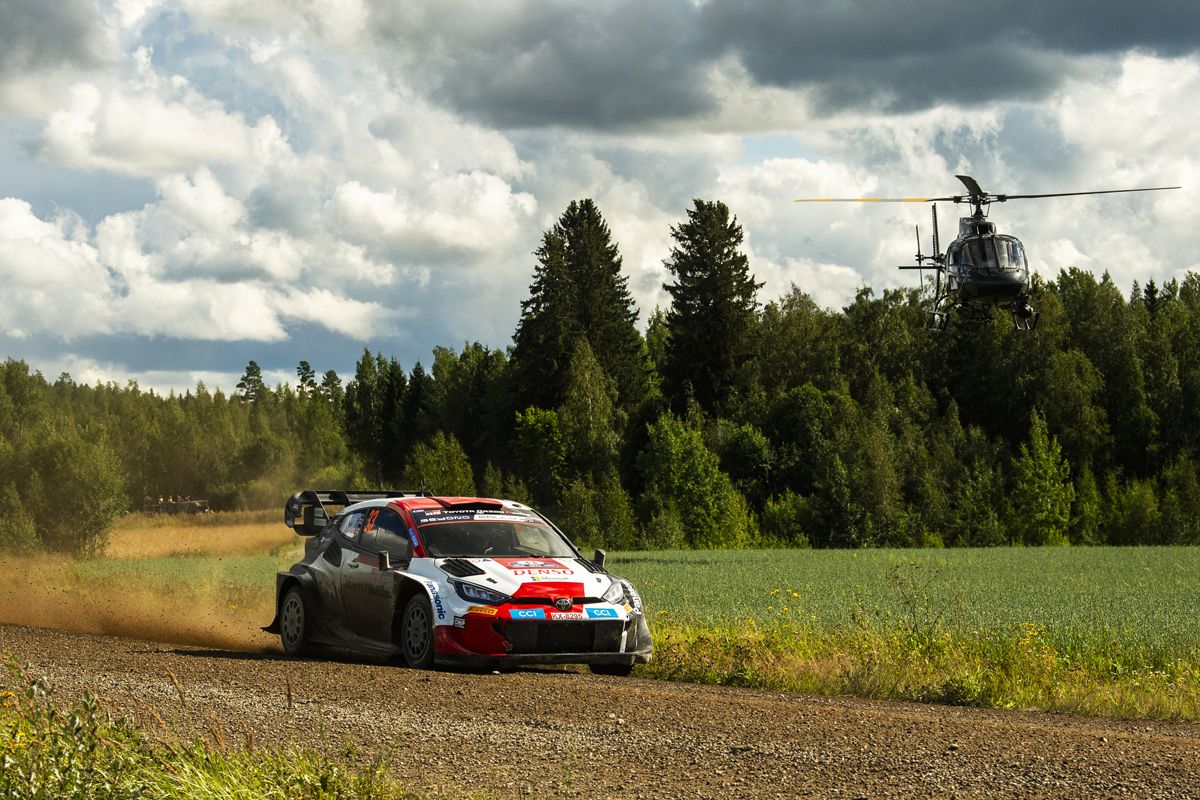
(483, 640)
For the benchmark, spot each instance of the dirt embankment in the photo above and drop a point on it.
(561, 734)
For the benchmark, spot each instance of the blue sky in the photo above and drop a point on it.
(185, 186)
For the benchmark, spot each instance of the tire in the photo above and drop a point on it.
(416, 633)
(619, 670)
(294, 623)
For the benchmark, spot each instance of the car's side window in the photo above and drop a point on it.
(351, 526)
(370, 530)
(392, 535)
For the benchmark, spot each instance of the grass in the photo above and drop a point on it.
(48, 753)
(1145, 600)
(1094, 630)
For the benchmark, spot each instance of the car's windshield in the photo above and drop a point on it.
(491, 534)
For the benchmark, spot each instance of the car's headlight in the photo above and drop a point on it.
(615, 593)
(477, 594)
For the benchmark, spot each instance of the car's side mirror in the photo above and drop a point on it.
(598, 558)
(399, 551)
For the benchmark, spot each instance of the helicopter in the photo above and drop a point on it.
(981, 268)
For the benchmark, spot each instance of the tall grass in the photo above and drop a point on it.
(81, 753)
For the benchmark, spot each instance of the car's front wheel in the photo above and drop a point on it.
(416, 633)
(293, 622)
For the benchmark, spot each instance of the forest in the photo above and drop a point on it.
(731, 422)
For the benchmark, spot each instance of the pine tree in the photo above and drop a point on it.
(363, 410)
(713, 305)
(578, 291)
(306, 379)
(251, 385)
(331, 388)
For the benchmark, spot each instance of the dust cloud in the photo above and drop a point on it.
(43, 592)
(49, 592)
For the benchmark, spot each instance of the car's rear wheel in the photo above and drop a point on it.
(620, 670)
(416, 633)
(293, 622)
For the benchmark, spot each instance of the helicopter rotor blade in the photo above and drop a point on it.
(972, 186)
(1002, 197)
(877, 199)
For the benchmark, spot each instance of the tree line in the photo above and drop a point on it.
(729, 423)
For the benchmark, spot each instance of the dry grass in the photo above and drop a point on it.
(185, 537)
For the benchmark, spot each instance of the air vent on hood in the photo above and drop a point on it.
(590, 566)
(460, 568)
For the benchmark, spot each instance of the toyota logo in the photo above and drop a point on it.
(563, 604)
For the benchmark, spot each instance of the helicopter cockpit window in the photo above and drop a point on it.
(980, 253)
(993, 253)
(1016, 254)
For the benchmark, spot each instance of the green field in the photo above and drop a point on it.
(1141, 599)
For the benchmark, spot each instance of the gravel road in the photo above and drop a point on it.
(551, 733)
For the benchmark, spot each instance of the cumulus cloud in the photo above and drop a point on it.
(43, 46)
(65, 286)
(159, 126)
(53, 280)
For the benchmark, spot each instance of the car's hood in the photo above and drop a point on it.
(538, 577)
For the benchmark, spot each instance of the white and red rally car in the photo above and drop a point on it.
(451, 580)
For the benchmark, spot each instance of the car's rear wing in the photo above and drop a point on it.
(308, 511)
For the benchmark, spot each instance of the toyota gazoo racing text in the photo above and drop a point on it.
(451, 580)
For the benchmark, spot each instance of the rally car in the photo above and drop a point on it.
(466, 581)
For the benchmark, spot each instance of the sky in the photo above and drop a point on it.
(186, 185)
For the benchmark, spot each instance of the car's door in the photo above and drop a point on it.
(368, 593)
(327, 569)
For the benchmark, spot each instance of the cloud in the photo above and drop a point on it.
(157, 126)
(39, 36)
(53, 280)
(907, 57)
(64, 285)
(45, 46)
(460, 215)
(532, 64)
